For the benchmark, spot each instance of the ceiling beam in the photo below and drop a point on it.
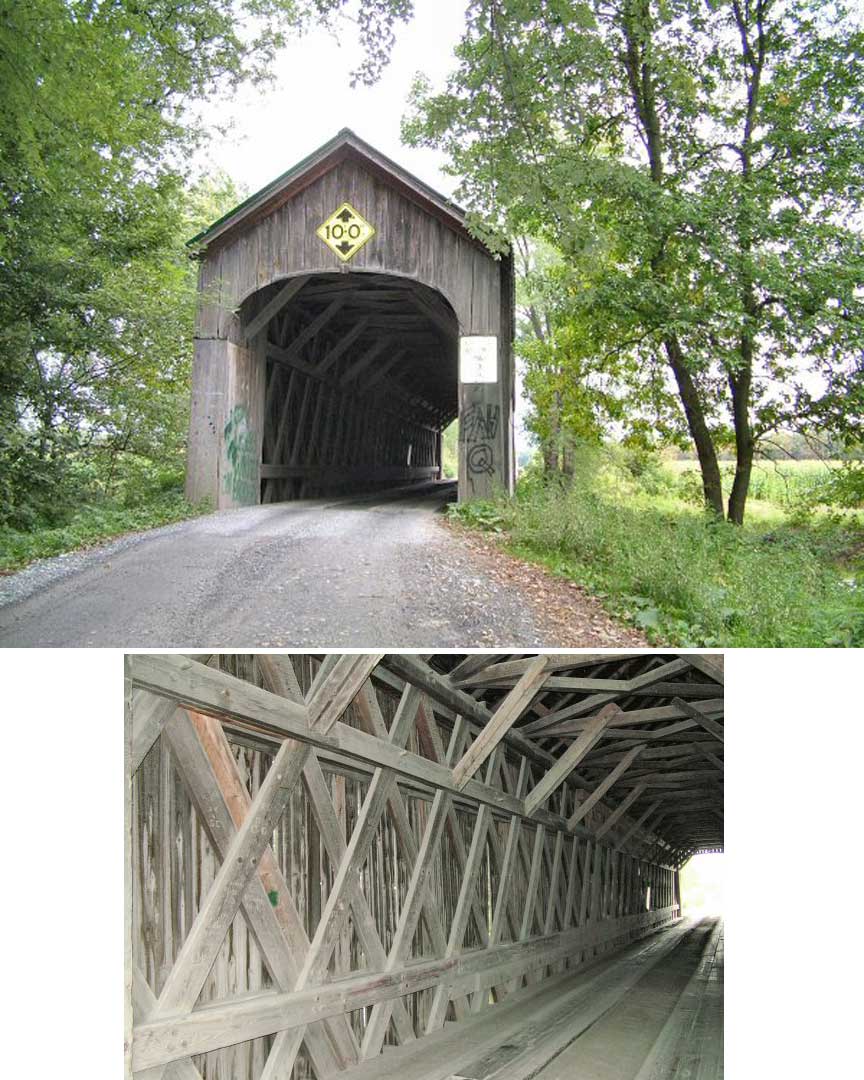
(586, 705)
(640, 822)
(365, 360)
(472, 663)
(309, 331)
(439, 688)
(620, 810)
(282, 297)
(568, 761)
(378, 375)
(706, 753)
(711, 707)
(712, 666)
(504, 717)
(601, 790)
(711, 726)
(501, 671)
(579, 708)
(344, 343)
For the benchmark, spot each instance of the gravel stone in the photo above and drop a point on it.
(384, 573)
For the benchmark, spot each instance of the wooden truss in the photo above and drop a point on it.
(329, 855)
(360, 382)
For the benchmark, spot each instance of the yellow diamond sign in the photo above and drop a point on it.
(345, 231)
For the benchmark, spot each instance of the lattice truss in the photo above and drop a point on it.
(360, 382)
(327, 855)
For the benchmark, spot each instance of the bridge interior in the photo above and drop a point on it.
(423, 867)
(361, 380)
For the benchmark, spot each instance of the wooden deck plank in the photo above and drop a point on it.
(615, 1045)
(690, 1046)
(524, 1019)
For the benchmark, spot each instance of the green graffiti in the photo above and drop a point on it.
(273, 897)
(240, 479)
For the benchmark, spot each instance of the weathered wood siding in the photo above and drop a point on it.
(409, 242)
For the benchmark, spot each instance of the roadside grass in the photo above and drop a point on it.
(91, 524)
(658, 561)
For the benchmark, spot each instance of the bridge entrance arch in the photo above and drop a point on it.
(346, 316)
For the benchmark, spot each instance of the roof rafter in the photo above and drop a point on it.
(504, 717)
(600, 791)
(711, 726)
(559, 772)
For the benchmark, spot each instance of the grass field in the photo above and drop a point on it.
(782, 485)
(638, 537)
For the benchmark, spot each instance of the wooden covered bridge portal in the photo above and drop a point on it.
(379, 866)
(346, 316)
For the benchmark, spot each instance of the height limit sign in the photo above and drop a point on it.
(345, 232)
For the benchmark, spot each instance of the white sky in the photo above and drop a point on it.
(275, 127)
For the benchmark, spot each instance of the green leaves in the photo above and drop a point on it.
(96, 288)
(699, 170)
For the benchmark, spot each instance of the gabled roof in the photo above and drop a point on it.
(346, 146)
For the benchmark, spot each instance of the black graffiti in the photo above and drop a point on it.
(479, 423)
(481, 459)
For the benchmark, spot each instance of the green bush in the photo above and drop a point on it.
(688, 487)
(644, 467)
(682, 576)
(40, 483)
(89, 525)
(840, 487)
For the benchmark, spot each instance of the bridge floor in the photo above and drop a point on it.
(668, 1025)
(652, 1011)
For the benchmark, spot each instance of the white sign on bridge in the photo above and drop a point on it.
(478, 359)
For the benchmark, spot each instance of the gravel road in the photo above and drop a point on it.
(382, 572)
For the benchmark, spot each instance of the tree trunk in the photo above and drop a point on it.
(639, 66)
(744, 443)
(712, 485)
(568, 464)
(552, 447)
(740, 379)
(550, 458)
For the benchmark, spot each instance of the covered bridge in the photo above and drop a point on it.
(346, 316)
(418, 868)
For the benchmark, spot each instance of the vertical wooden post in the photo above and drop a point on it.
(340, 805)
(313, 873)
(206, 420)
(595, 914)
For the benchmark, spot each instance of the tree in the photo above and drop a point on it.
(709, 158)
(579, 392)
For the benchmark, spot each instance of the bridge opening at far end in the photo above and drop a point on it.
(702, 879)
(359, 381)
